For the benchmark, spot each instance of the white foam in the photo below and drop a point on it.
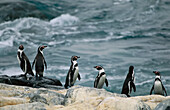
(144, 82)
(64, 20)
(8, 42)
(12, 71)
(58, 67)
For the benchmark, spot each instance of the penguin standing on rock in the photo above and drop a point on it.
(24, 61)
(73, 73)
(101, 78)
(39, 62)
(158, 86)
(129, 82)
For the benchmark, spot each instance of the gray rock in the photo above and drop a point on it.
(42, 95)
(164, 105)
(37, 98)
(47, 97)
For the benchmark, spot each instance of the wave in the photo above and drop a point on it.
(20, 30)
(64, 20)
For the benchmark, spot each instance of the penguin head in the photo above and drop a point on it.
(98, 67)
(131, 68)
(40, 48)
(74, 58)
(156, 73)
(21, 47)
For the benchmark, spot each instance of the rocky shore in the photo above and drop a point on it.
(14, 97)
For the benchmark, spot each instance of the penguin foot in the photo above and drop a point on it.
(128, 95)
(65, 86)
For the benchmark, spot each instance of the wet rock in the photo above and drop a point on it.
(21, 80)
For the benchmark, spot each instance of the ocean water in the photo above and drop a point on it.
(111, 33)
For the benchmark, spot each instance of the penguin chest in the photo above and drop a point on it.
(158, 87)
(75, 75)
(101, 81)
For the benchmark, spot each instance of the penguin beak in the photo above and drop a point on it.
(156, 72)
(44, 46)
(78, 56)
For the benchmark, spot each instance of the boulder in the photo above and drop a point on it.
(21, 80)
(151, 100)
(83, 93)
(86, 98)
(15, 95)
(164, 105)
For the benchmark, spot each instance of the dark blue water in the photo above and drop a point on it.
(111, 33)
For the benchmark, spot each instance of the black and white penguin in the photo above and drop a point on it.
(129, 82)
(39, 62)
(24, 61)
(158, 86)
(101, 78)
(73, 73)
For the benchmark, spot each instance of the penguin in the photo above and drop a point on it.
(129, 82)
(24, 61)
(39, 62)
(158, 86)
(101, 78)
(73, 73)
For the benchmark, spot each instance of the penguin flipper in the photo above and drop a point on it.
(106, 81)
(29, 69)
(45, 64)
(97, 81)
(151, 89)
(67, 82)
(95, 85)
(164, 90)
(33, 63)
(79, 76)
(128, 95)
(133, 85)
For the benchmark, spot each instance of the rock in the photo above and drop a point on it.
(151, 100)
(47, 97)
(91, 98)
(11, 101)
(75, 98)
(164, 105)
(14, 95)
(44, 82)
(26, 106)
(118, 103)
(83, 93)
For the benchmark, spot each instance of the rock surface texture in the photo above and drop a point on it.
(76, 98)
(21, 80)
